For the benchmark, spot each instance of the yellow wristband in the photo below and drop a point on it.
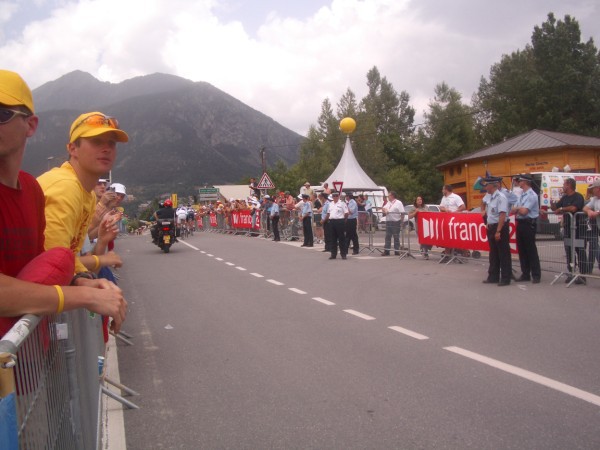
(97, 266)
(61, 299)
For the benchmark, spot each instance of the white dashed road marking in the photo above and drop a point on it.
(208, 254)
(359, 314)
(240, 268)
(189, 245)
(408, 333)
(230, 264)
(276, 283)
(257, 275)
(203, 252)
(297, 291)
(219, 259)
(531, 376)
(322, 300)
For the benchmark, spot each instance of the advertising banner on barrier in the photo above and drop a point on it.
(458, 230)
(243, 219)
(213, 219)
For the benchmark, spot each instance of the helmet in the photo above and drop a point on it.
(168, 203)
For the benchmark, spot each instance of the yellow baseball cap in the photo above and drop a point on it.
(94, 124)
(14, 91)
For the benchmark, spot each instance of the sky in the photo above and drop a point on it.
(282, 58)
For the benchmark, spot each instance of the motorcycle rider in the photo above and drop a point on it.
(164, 212)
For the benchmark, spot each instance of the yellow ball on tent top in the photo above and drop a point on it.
(347, 125)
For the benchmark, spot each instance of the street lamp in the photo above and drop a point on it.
(50, 158)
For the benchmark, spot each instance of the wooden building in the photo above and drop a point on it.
(535, 151)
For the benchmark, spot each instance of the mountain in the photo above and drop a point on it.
(182, 133)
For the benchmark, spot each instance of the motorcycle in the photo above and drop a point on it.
(166, 234)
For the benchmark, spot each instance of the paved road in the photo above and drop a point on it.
(246, 343)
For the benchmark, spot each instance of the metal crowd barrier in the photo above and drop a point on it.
(580, 243)
(580, 250)
(50, 387)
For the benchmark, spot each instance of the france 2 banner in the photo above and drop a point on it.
(458, 230)
(243, 219)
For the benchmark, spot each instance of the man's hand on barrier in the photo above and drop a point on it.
(106, 298)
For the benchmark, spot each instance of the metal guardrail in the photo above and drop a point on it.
(49, 379)
(554, 244)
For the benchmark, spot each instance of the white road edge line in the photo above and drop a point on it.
(297, 291)
(359, 314)
(230, 264)
(322, 300)
(189, 245)
(275, 282)
(531, 376)
(257, 275)
(240, 268)
(409, 333)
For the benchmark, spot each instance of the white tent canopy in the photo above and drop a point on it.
(350, 173)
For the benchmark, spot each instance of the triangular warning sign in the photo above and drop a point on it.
(265, 182)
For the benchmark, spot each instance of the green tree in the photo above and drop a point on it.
(391, 114)
(553, 84)
(447, 134)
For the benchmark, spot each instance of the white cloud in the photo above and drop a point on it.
(7, 10)
(289, 65)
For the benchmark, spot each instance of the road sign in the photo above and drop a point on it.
(208, 194)
(265, 182)
(208, 197)
(337, 185)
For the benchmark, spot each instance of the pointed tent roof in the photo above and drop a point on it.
(350, 173)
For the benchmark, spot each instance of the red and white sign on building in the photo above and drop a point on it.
(458, 230)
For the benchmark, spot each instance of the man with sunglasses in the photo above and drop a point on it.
(22, 223)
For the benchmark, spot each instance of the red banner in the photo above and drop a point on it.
(458, 230)
(213, 219)
(243, 219)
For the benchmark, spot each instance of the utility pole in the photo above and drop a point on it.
(264, 167)
(264, 161)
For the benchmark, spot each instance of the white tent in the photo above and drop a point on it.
(350, 173)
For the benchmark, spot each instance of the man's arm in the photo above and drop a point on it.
(100, 296)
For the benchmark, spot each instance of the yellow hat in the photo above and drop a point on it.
(14, 91)
(94, 124)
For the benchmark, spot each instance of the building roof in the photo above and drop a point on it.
(235, 191)
(350, 173)
(532, 140)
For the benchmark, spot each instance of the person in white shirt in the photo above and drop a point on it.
(393, 211)
(336, 216)
(450, 202)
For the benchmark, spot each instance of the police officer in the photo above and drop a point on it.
(500, 269)
(307, 217)
(337, 215)
(326, 199)
(527, 210)
(351, 224)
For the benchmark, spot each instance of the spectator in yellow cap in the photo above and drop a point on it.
(22, 223)
(69, 189)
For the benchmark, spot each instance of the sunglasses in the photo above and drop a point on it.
(7, 114)
(99, 120)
